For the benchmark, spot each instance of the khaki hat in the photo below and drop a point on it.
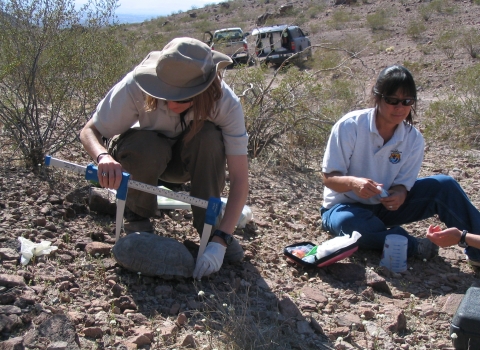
(184, 68)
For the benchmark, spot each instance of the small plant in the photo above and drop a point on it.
(315, 10)
(470, 41)
(415, 29)
(378, 20)
(447, 42)
(338, 19)
(354, 43)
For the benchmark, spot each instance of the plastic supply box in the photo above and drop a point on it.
(466, 322)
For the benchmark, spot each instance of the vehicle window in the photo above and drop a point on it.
(296, 33)
(228, 35)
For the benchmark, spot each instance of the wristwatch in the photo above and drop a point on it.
(462, 243)
(225, 236)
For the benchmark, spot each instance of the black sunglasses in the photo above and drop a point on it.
(184, 101)
(395, 101)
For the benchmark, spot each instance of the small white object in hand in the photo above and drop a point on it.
(384, 192)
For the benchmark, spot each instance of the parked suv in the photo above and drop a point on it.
(277, 43)
(231, 42)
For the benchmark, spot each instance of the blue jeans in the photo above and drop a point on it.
(438, 194)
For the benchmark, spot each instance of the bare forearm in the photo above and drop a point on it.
(92, 140)
(338, 182)
(362, 187)
(473, 240)
(238, 169)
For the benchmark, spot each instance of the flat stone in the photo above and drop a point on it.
(451, 304)
(11, 281)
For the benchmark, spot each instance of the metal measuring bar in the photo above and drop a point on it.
(213, 205)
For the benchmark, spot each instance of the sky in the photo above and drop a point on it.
(148, 9)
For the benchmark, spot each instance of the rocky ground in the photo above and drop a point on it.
(78, 297)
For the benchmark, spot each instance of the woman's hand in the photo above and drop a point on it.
(444, 238)
(396, 197)
(109, 172)
(364, 188)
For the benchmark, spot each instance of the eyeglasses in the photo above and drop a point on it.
(184, 101)
(395, 101)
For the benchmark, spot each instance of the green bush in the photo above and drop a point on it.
(290, 112)
(439, 6)
(315, 10)
(426, 11)
(460, 110)
(354, 43)
(378, 20)
(415, 29)
(338, 19)
(55, 62)
(470, 41)
(447, 42)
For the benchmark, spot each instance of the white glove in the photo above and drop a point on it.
(210, 261)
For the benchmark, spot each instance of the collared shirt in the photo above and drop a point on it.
(355, 148)
(124, 107)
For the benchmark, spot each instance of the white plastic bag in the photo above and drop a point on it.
(30, 249)
(245, 217)
(335, 244)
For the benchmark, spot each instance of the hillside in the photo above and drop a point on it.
(79, 298)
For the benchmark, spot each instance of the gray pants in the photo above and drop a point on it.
(149, 156)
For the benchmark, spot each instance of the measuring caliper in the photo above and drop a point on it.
(213, 205)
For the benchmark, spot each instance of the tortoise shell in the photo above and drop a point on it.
(153, 255)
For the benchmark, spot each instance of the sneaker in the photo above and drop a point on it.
(426, 249)
(472, 262)
(234, 252)
(133, 222)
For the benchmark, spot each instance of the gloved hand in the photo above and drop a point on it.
(210, 261)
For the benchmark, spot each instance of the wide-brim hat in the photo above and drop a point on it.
(184, 68)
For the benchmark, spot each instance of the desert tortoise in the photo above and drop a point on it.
(152, 255)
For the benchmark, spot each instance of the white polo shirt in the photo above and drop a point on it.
(124, 107)
(355, 148)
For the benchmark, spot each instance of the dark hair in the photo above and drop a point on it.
(392, 79)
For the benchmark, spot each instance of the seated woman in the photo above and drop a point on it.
(379, 148)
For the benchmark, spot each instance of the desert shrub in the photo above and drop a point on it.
(426, 11)
(415, 29)
(426, 49)
(291, 114)
(470, 41)
(314, 10)
(325, 59)
(338, 19)
(353, 43)
(442, 6)
(378, 20)
(415, 67)
(314, 28)
(301, 19)
(438, 6)
(202, 25)
(55, 62)
(232, 320)
(447, 42)
(460, 111)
